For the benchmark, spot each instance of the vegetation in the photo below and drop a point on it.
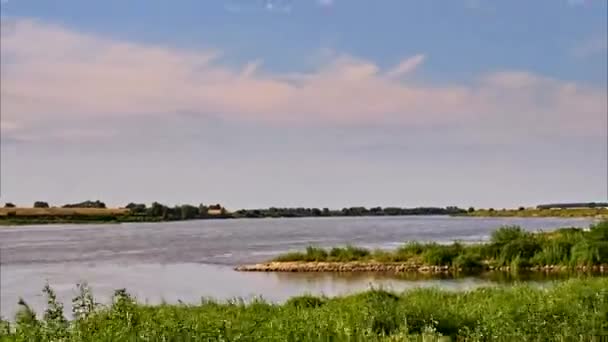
(40, 204)
(540, 212)
(509, 246)
(87, 204)
(573, 205)
(352, 211)
(572, 310)
(137, 212)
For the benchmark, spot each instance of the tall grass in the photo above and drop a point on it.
(508, 246)
(576, 309)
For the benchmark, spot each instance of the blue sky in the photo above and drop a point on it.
(305, 102)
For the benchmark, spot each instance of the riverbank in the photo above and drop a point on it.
(600, 213)
(574, 308)
(510, 249)
(11, 216)
(377, 267)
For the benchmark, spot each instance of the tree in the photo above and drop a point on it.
(9, 205)
(40, 204)
(521, 208)
(156, 210)
(188, 212)
(203, 210)
(471, 209)
(136, 208)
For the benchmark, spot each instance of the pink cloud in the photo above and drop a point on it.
(54, 73)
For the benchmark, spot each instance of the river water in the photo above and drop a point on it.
(194, 259)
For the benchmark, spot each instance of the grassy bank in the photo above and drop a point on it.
(572, 310)
(535, 212)
(510, 248)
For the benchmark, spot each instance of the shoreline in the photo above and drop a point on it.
(25, 221)
(379, 267)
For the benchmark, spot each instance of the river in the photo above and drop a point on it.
(193, 259)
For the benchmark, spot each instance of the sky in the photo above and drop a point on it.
(316, 103)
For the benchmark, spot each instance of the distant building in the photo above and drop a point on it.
(215, 212)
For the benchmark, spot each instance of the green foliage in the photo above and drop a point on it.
(87, 204)
(441, 255)
(40, 204)
(507, 234)
(509, 246)
(349, 253)
(571, 310)
(306, 301)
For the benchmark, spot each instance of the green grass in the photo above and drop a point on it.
(509, 246)
(578, 212)
(573, 310)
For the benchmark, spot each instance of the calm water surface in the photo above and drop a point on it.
(189, 260)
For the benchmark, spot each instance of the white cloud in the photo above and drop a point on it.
(407, 65)
(326, 3)
(52, 74)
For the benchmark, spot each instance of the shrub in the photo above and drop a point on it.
(40, 204)
(306, 301)
(315, 254)
(506, 234)
(349, 253)
(9, 205)
(441, 255)
(467, 261)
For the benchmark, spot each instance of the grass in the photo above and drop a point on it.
(578, 212)
(509, 246)
(573, 310)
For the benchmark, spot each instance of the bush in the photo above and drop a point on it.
(506, 234)
(40, 204)
(349, 253)
(315, 254)
(441, 255)
(9, 205)
(467, 261)
(306, 301)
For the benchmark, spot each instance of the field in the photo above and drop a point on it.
(29, 216)
(574, 310)
(55, 211)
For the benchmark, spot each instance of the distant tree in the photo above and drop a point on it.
(215, 207)
(491, 209)
(40, 204)
(203, 210)
(87, 204)
(188, 212)
(521, 208)
(156, 209)
(9, 205)
(471, 209)
(136, 208)
(326, 212)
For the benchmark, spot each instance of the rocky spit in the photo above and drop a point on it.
(396, 267)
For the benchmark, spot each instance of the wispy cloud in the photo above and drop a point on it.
(326, 3)
(51, 73)
(407, 65)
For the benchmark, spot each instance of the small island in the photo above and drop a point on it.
(509, 249)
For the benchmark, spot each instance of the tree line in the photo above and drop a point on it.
(351, 211)
(188, 212)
